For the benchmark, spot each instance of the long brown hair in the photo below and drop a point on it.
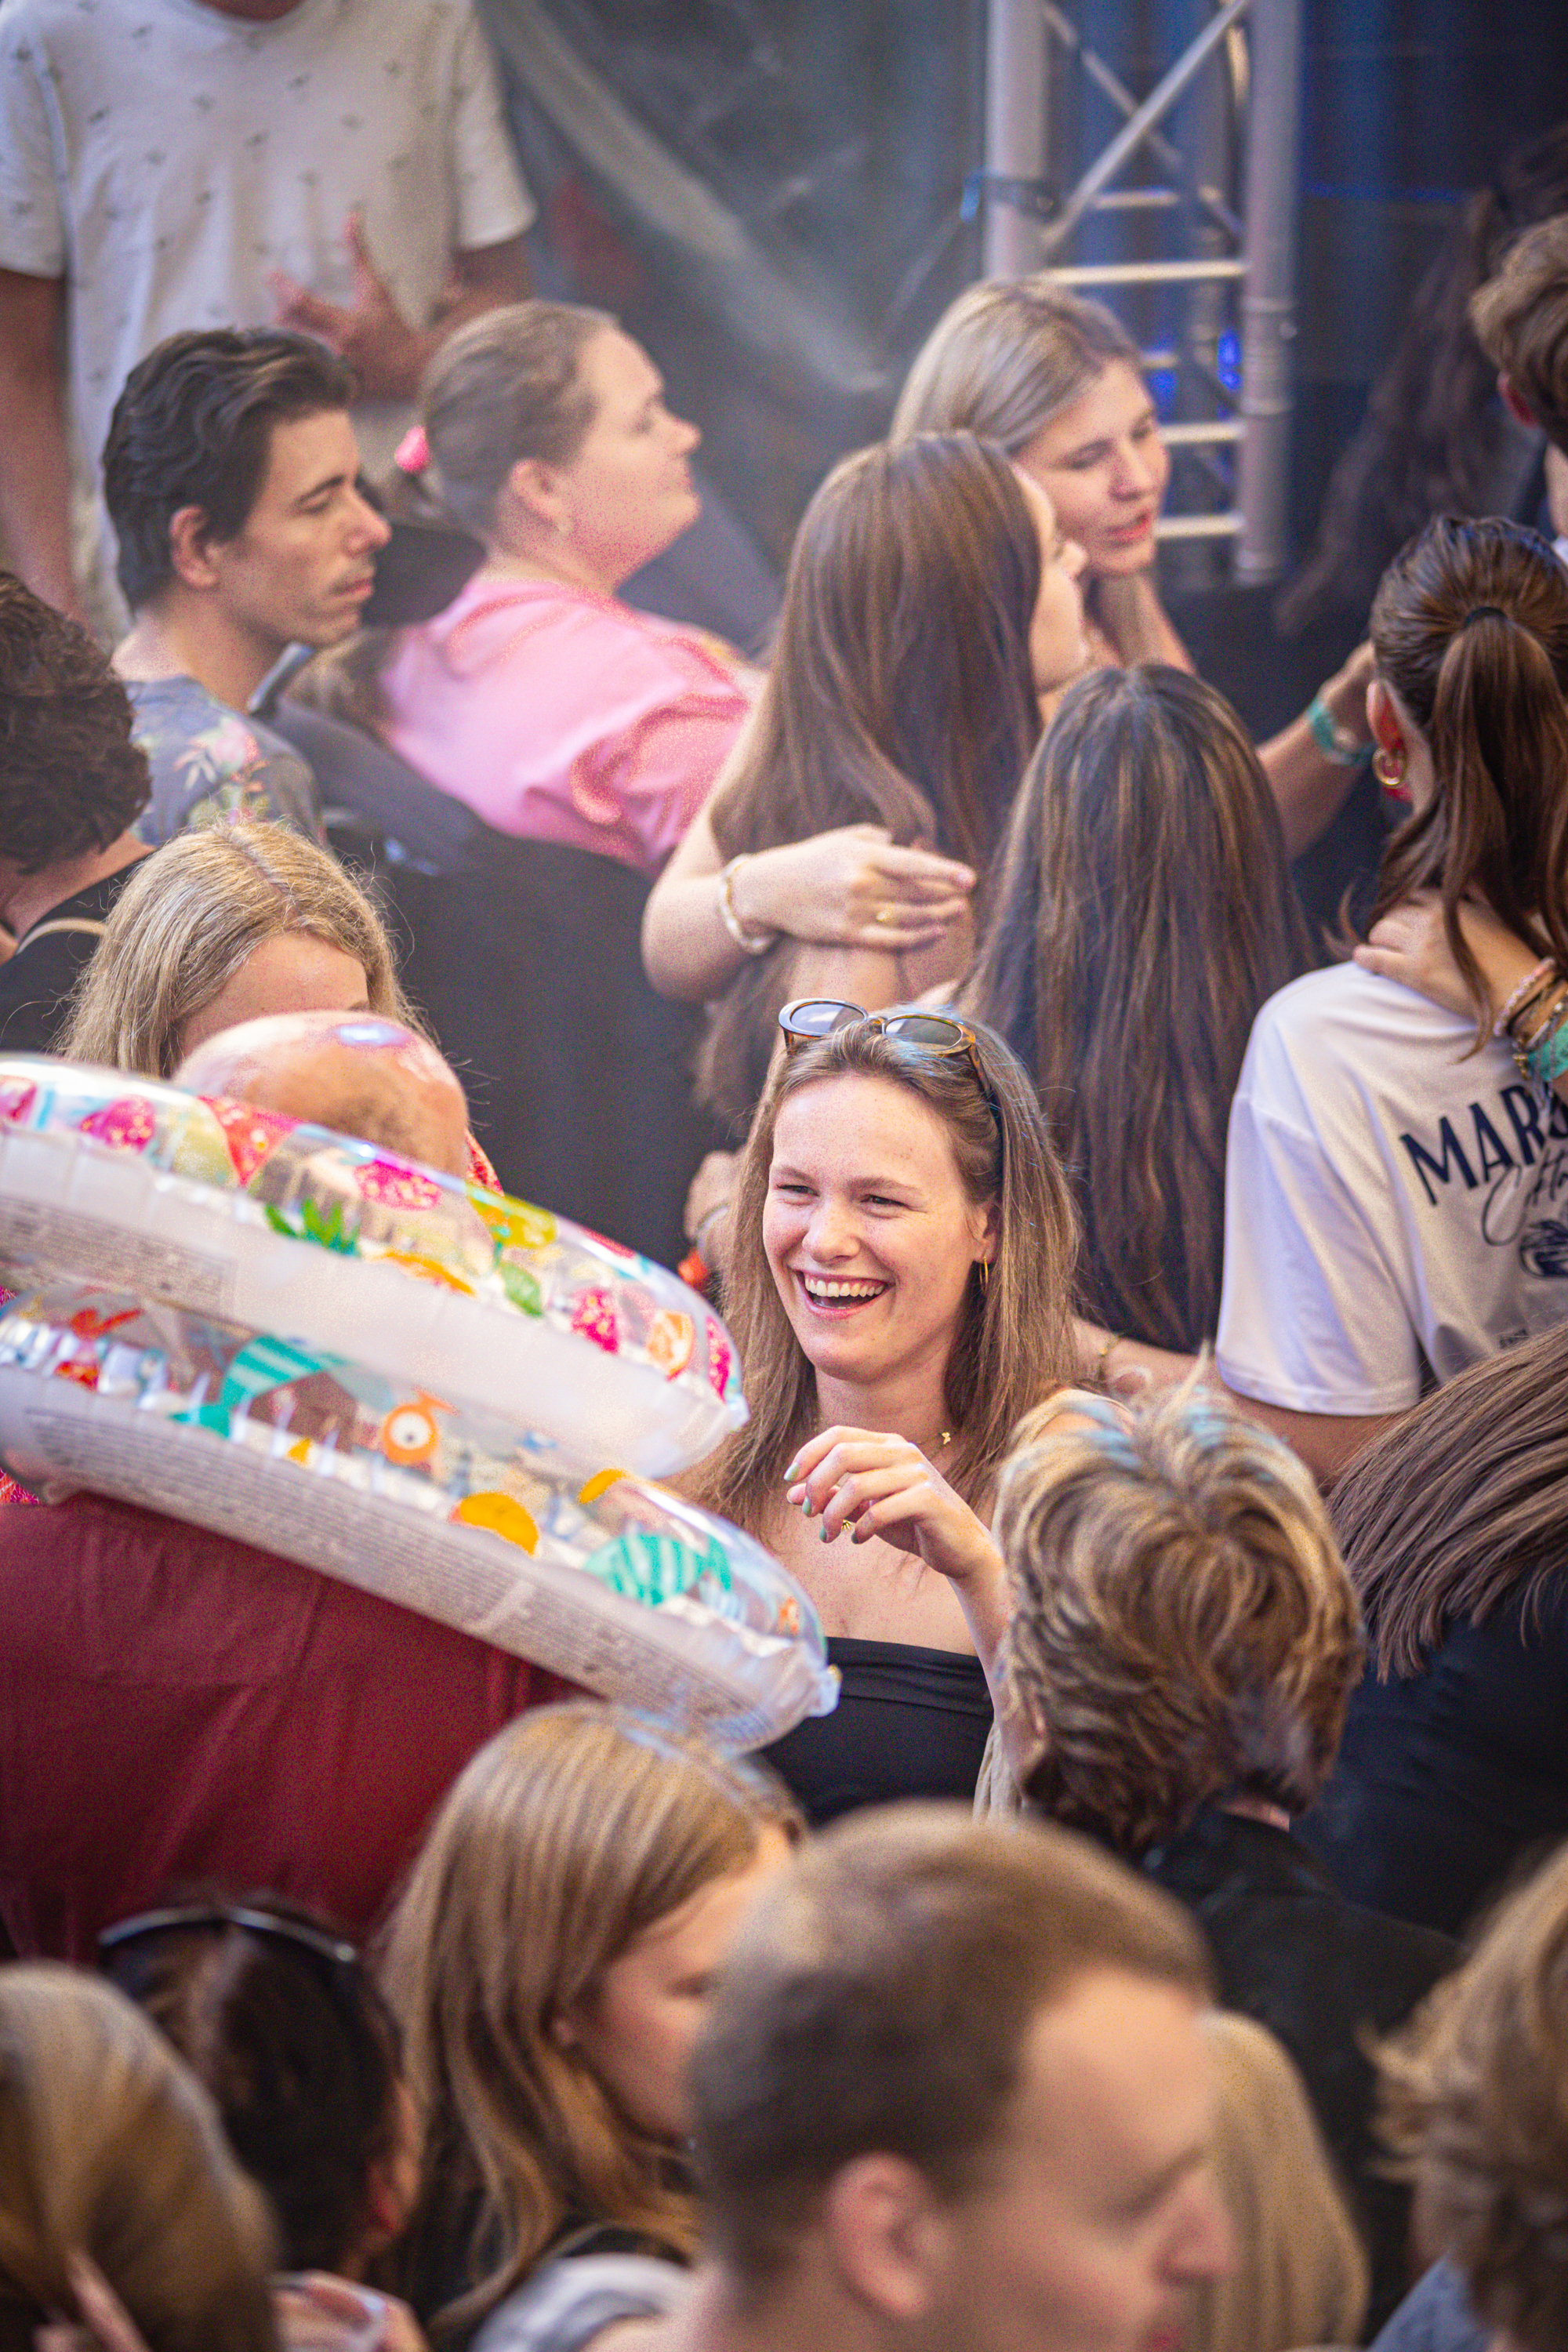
(1469, 628)
(1462, 1505)
(900, 693)
(1001, 360)
(1013, 1342)
(561, 1842)
(1142, 914)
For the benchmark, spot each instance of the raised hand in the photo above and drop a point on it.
(877, 1485)
(1411, 945)
(385, 352)
(855, 887)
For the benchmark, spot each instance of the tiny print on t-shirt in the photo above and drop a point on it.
(1517, 1158)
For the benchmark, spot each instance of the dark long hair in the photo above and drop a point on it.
(1471, 630)
(298, 2051)
(900, 692)
(1430, 439)
(1142, 914)
(1461, 1505)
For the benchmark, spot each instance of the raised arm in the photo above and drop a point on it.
(35, 463)
(853, 887)
(1309, 782)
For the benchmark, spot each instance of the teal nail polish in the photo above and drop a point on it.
(823, 1532)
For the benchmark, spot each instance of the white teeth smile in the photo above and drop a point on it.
(819, 1286)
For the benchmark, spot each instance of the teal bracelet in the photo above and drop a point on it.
(1547, 1057)
(1335, 742)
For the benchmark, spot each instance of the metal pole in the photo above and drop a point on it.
(1136, 130)
(1268, 303)
(1016, 97)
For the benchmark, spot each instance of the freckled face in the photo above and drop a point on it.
(870, 1236)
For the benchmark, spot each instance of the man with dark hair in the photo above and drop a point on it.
(231, 477)
(72, 784)
(1520, 320)
(952, 2096)
(341, 168)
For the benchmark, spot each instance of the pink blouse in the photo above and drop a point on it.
(560, 715)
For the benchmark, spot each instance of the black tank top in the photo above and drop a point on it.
(909, 1722)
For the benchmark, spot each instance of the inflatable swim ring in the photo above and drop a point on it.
(223, 1209)
(452, 1512)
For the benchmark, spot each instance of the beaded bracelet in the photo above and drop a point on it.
(743, 940)
(1333, 741)
(1527, 987)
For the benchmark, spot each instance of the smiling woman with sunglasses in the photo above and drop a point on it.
(898, 1283)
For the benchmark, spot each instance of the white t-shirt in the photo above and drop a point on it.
(163, 158)
(1393, 1202)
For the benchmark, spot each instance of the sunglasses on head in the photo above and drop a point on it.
(336, 1956)
(807, 1020)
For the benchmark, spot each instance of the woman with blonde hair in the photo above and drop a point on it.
(112, 2157)
(1184, 1642)
(225, 926)
(548, 1964)
(1057, 382)
(899, 1289)
(1298, 2273)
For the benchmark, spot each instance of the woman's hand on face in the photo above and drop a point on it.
(1411, 945)
(877, 1485)
(853, 887)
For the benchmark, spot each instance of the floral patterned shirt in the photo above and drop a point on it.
(213, 765)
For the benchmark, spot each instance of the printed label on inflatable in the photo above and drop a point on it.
(629, 1590)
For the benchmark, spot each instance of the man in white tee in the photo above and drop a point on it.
(340, 166)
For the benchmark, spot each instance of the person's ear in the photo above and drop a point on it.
(191, 547)
(1022, 1741)
(988, 1233)
(392, 2181)
(1518, 407)
(539, 497)
(1383, 718)
(887, 2237)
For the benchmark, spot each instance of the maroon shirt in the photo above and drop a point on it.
(177, 1708)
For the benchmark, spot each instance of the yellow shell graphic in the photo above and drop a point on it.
(501, 1514)
(428, 1269)
(600, 1483)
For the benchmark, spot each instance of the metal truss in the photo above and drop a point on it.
(1228, 190)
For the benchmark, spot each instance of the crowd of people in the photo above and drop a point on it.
(1148, 1314)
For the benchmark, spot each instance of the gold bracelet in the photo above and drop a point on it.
(743, 938)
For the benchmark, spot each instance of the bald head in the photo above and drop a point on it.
(356, 1073)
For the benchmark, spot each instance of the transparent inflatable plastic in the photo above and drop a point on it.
(223, 1209)
(579, 1567)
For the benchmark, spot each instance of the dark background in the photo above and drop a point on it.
(836, 135)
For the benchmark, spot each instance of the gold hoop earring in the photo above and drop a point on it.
(1388, 767)
(984, 1265)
